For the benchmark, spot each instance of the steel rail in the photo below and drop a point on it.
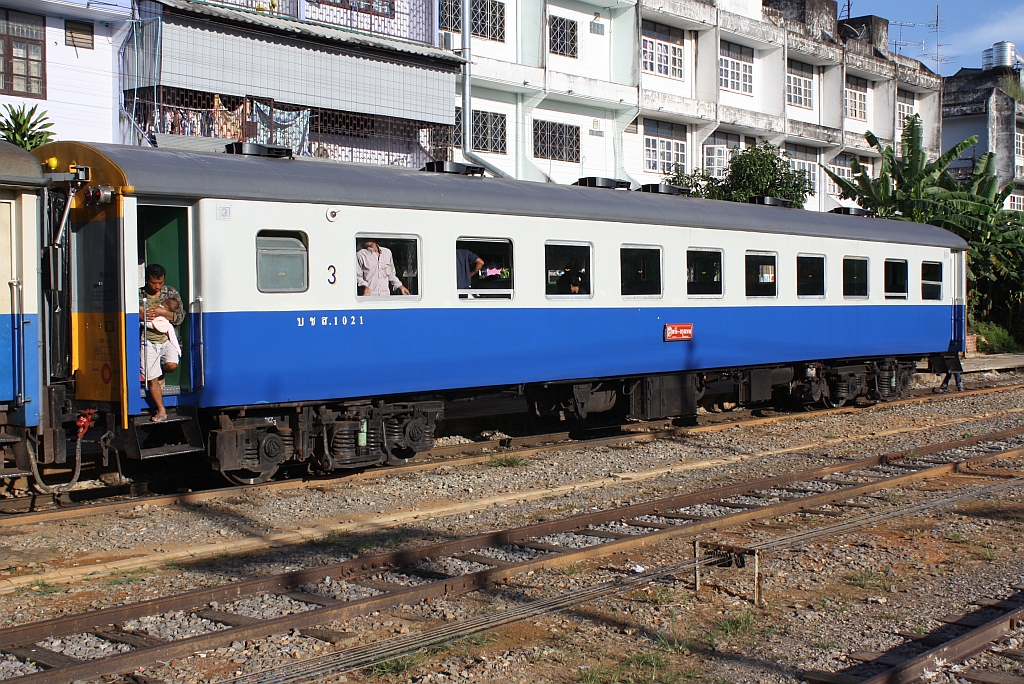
(315, 669)
(31, 633)
(12, 513)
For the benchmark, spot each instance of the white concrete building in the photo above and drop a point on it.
(62, 56)
(571, 88)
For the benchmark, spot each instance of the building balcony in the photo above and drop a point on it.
(656, 101)
(814, 133)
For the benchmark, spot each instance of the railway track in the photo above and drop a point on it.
(380, 583)
(84, 503)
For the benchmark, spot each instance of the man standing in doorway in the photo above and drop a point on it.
(161, 308)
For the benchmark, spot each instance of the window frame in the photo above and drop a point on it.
(940, 283)
(824, 275)
(653, 46)
(484, 17)
(734, 69)
(860, 98)
(493, 294)
(489, 128)
(571, 49)
(362, 235)
(799, 85)
(905, 295)
(904, 109)
(299, 235)
(575, 158)
(775, 274)
(664, 144)
(867, 277)
(661, 271)
(721, 254)
(7, 39)
(73, 28)
(569, 243)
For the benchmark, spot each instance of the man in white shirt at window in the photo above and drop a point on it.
(376, 274)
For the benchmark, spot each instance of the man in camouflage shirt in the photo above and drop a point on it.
(159, 355)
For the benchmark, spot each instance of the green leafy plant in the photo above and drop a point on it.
(761, 170)
(25, 128)
(507, 461)
(995, 339)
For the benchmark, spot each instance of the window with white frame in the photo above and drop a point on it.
(1018, 150)
(488, 18)
(1015, 202)
(557, 141)
(855, 98)
(562, 37)
(662, 50)
(664, 147)
(718, 150)
(906, 106)
(736, 68)
(803, 158)
(800, 84)
(842, 166)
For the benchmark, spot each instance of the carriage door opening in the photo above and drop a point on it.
(163, 239)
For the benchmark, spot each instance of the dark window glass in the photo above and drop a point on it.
(568, 269)
(855, 277)
(703, 272)
(760, 275)
(895, 279)
(810, 276)
(493, 279)
(488, 131)
(931, 280)
(404, 254)
(641, 271)
(562, 36)
(281, 261)
(22, 54)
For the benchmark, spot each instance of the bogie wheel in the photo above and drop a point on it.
(831, 403)
(249, 477)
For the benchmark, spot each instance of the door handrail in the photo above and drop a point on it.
(198, 341)
(18, 339)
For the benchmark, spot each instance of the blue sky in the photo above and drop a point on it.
(968, 27)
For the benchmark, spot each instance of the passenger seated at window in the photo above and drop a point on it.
(572, 281)
(376, 273)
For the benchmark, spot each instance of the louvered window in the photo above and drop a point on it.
(78, 34)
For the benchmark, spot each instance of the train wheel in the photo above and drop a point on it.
(832, 403)
(249, 477)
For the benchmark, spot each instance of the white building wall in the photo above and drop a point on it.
(81, 94)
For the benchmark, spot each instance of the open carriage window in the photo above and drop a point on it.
(483, 268)
(387, 266)
(567, 266)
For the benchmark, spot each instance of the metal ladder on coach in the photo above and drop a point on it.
(178, 435)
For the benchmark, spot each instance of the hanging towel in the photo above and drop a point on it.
(161, 324)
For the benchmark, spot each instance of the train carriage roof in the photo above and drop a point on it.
(186, 174)
(19, 168)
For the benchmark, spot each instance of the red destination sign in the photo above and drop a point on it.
(678, 332)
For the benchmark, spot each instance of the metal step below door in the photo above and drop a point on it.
(178, 435)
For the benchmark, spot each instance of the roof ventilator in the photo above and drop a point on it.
(598, 182)
(770, 201)
(257, 150)
(665, 189)
(453, 167)
(851, 211)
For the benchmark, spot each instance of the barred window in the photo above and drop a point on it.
(562, 39)
(383, 8)
(905, 107)
(664, 147)
(557, 141)
(22, 54)
(855, 98)
(803, 158)
(488, 18)
(800, 84)
(489, 131)
(736, 68)
(662, 50)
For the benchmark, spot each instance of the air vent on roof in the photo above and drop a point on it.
(597, 182)
(850, 211)
(453, 167)
(771, 201)
(257, 150)
(665, 189)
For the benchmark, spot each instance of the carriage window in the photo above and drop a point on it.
(640, 271)
(810, 276)
(704, 272)
(855, 277)
(281, 261)
(896, 279)
(931, 280)
(483, 268)
(568, 269)
(387, 266)
(760, 275)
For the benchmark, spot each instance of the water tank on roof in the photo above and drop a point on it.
(1001, 55)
